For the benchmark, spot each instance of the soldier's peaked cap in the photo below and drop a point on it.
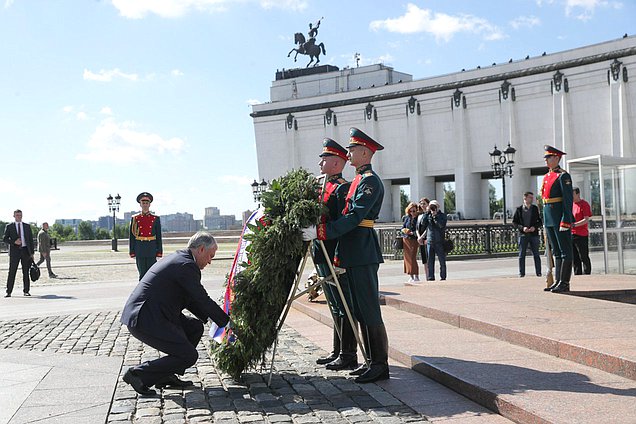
(144, 195)
(552, 151)
(358, 138)
(332, 148)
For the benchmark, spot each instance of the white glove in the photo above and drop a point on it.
(309, 233)
(563, 228)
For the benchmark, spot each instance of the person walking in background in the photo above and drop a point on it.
(582, 213)
(434, 224)
(19, 237)
(145, 236)
(44, 247)
(421, 235)
(556, 192)
(409, 234)
(528, 221)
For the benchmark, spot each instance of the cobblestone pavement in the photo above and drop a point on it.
(300, 391)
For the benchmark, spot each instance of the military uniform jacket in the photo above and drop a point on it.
(556, 192)
(335, 198)
(357, 240)
(169, 287)
(145, 236)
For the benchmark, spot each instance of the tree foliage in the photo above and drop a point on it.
(261, 290)
(85, 231)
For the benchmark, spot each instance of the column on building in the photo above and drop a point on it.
(421, 185)
(292, 138)
(559, 114)
(372, 128)
(467, 182)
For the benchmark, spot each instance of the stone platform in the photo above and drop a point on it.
(503, 342)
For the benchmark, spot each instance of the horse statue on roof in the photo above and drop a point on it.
(309, 48)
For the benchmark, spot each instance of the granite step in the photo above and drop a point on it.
(520, 384)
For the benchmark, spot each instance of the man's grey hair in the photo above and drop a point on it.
(201, 238)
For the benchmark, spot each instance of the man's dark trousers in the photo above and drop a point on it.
(581, 254)
(17, 255)
(533, 241)
(180, 356)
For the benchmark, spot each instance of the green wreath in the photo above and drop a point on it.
(261, 290)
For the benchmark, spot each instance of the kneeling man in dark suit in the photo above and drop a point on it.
(153, 314)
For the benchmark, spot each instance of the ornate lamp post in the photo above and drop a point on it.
(113, 206)
(502, 164)
(258, 189)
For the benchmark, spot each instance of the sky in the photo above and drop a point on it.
(102, 97)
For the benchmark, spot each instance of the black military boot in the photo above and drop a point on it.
(367, 351)
(348, 358)
(557, 274)
(566, 273)
(379, 343)
(336, 349)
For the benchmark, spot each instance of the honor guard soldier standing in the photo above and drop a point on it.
(359, 252)
(332, 160)
(145, 235)
(556, 192)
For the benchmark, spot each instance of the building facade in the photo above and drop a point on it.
(441, 129)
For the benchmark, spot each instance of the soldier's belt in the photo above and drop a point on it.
(368, 223)
(151, 238)
(553, 200)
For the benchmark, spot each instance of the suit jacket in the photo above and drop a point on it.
(169, 287)
(535, 220)
(44, 242)
(11, 235)
(434, 226)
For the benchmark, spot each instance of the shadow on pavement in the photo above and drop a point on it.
(54, 296)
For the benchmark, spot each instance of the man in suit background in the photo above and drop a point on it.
(528, 222)
(19, 237)
(154, 315)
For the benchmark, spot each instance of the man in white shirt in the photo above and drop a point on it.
(19, 237)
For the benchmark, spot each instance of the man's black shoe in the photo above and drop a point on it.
(556, 283)
(27, 294)
(373, 374)
(323, 361)
(561, 288)
(172, 381)
(343, 362)
(360, 370)
(137, 384)
(7, 295)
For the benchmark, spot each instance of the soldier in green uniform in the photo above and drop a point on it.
(556, 192)
(332, 160)
(145, 236)
(359, 251)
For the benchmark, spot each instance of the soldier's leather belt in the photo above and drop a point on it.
(151, 238)
(368, 223)
(553, 200)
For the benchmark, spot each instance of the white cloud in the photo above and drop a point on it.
(139, 9)
(81, 116)
(67, 109)
(8, 3)
(238, 180)
(253, 102)
(106, 110)
(440, 25)
(176, 73)
(121, 143)
(105, 75)
(584, 9)
(525, 22)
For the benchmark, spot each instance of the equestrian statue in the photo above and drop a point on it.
(308, 47)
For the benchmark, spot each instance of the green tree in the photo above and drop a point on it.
(449, 198)
(121, 231)
(62, 232)
(102, 234)
(85, 231)
(494, 204)
(3, 225)
(404, 201)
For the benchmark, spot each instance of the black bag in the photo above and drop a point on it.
(448, 245)
(398, 243)
(34, 271)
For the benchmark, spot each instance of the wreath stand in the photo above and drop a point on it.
(322, 281)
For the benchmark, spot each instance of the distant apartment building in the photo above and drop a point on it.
(179, 222)
(72, 222)
(246, 215)
(106, 222)
(213, 220)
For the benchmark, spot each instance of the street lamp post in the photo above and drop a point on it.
(502, 164)
(258, 189)
(113, 206)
